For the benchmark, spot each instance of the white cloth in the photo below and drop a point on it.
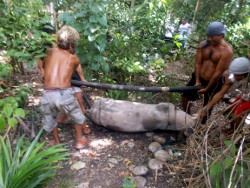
(244, 90)
(169, 31)
(185, 31)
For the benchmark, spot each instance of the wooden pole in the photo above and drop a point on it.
(135, 88)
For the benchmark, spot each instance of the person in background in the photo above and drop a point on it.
(184, 30)
(168, 36)
(239, 70)
(58, 96)
(213, 58)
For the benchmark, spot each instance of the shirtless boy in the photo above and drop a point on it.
(212, 60)
(58, 96)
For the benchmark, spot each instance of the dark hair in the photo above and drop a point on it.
(48, 28)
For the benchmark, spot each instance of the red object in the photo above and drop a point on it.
(240, 107)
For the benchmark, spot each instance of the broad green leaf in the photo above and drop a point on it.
(215, 169)
(93, 19)
(103, 20)
(178, 44)
(19, 112)
(105, 67)
(12, 122)
(127, 183)
(7, 110)
(95, 66)
(91, 38)
(233, 149)
(2, 123)
(228, 162)
(176, 37)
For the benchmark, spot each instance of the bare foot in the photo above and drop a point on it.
(86, 129)
(53, 142)
(81, 143)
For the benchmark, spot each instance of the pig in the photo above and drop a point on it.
(126, 116)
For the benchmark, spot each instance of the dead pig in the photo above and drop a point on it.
(128, 116)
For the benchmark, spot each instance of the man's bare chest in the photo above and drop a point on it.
(212, 55)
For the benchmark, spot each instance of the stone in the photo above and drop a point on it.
(159, 139)
(149, 134)
(155, 164)
(140, 181)
(113, 161)
(154, 146)
(131, 145)
(77, 166)
(140, 170)
(163, 155)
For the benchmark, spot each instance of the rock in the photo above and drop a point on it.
(113, 160)
(131, 167)
(77, 166)
(154, 146)
(149, 134)
(140, 181)
(83, 185)
(164, 155)
(131, 145)
(155, 164)
(111, 165)
(159, 139)
(140, 171)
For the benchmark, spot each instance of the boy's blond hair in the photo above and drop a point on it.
(67, 36)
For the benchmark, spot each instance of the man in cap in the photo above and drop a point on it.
(238, 71)
(184, 30)
(212, 59)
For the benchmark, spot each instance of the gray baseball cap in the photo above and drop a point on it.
(215, 28)
(240, 65)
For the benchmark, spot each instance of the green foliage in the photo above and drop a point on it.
(24, 42)
(10, 107)
(89, 18)
(5, 70)
(127, 183)
(220, 172)
(28, 165)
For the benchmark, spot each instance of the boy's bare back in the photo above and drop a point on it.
(59, 66)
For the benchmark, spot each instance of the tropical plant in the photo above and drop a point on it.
(24, 42)
(230, 171)
(27, 166)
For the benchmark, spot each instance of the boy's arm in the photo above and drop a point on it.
(80, 72)
(40, 66)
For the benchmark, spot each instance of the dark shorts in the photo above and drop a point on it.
(193, 95)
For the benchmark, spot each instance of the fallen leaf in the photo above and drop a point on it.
(91, 155)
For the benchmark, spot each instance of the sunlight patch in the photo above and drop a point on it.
(100, 143)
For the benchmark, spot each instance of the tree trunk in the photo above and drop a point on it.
(132, 4)
(198, 4)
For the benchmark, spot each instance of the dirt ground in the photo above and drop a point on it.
(106, 162)
(110, 156)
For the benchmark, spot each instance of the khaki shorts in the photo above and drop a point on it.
(76, 89)
(58, 101)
